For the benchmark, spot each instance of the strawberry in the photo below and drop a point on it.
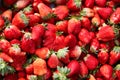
(100, 3)
(74, 26)
(60, 2)
(39, 67)
(74, 67)
(48, 75)
(43, 52)
(83, 69)
(90, 61)
(29, 69)
(9, 2)
(48, 1)
(63, 55)
(111, 4)
(74, 5)
(53, 61)
(106, 70)
(28, 10)
(20, 20)
(11, 77)
(89, 3)
(117, 71)
(12, 32)
(103, 56)
(114, 55)
(85, 23)
(7, 14)
(6, 57)
(1, 22)
(35, 4)
(117, 1)
(21, 74)
(15, 41)
(20, 4)
(106, 30)
(70, 41)
(61, 12)
(104, 12)
(92, 77)
(75, 52)
(27, 43)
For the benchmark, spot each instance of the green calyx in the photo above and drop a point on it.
(61, 53)
(28, 35)
(28, 8)
(83, 12)
(116, 31)
(49, 16)
(33, 77)
(78, 3)
(5, 68)
(117, 67)
(116, 49)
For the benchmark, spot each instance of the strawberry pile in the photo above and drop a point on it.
(59, 40)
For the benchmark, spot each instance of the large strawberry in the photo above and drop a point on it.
(89, 3)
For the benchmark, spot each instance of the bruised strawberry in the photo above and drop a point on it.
(117, 71)
(1, 22)
(7, 14)
(100, 3)
(27, 43)
(89, 3)
(12, 32)
(61, 12)
(90, 61)
(74, 5)
(39, 67)
(74, 26)
(20, 20)
(85, 23)
(106, 70)
(114, 55)
(29, 69)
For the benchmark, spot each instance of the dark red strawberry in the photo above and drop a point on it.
(27, 43)
(106, 70)
(9, 2)
(21, 74)
(48, 75)
(74, 26)
(89, 3)
(20, 20)
(114, 55)
(7, 14)
(29, 69)
(61, 12)
(100, 3)
(1, 22)
(60, 2)
(28, 10)
(11, 77)
(85, 23)
(117, 71)
(117, 1)
(12, 32)
(74, 5)
(90, 61)
(15, 41)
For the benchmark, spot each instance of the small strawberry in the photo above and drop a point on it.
(100, 3)
(74, 26)
(39, 67)
(7, 14)
(114, 55)
(106, 70)
(61, 12)
(85, 23)
(90, 61)
(29, 69)
(27, 43)
(89, 3)
(20, 20)
(74, 5)
(1, 22)
(117, 71)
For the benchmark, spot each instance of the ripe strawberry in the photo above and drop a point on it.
(1, 22)
(75, 52)
(48, 75)
(117, 1)
(61, 12)
(35, 4)
(74, 67)
(11, 77)
(90, 61)
(9, 2)
(74, 5)
(111, 4)
(85, 23)
(106, 70)
(117, 71)
(83, 69)
(28, 10)
(70, 41)
(43, 52)
(21, 74)
(53, 61)
(20, 20)
(103, 56)
(114, 55)
(12, 32)
(7, 14)
(39, 67)
(29, 69)
(20, 4)
(105, 12)
(15, 41)
(89, 3)
(101, 35)
(100, 3)
(60, 2)
(74, 26)
(6, 57)
(27, 43)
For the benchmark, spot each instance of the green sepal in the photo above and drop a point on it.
(116, 49)
(49, 16)
(78, 3)
(117, 67)
(33, 77)
(28, 8)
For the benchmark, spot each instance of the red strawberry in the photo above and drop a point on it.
(28, 10)
(6, 57)
(29, 69)
(35, 4)
(111, 4)
(70, 41)
(7, 14)
(61, 12)
(85, 23)
(60, 2)
(114, 55)
(74, 26)
(20, 20)
(101, 35)
(43, 52)
(21, 74)
(74, 5)
(106, 70)
(103, 56)
(9, 2)
(12, 32)
(90, 61)
(53, 61)
(117, 71)
(74, 67)
(15, 41)
(100, 3)
(117, 1)
(89, 3)
(48, 75)
(39, 67)
(63, 55)
(83, 69)
(1, 22)
(27, 43)
(11, 77)
(20, 4)
(48, 1)
(105, 12)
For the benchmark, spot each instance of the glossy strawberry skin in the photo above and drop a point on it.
(101, 3)
(89, 3)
